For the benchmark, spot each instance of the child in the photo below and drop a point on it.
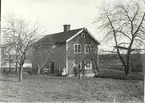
(64, 71)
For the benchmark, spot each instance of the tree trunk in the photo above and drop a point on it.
(21, 67)
(39, 68)
(79, 73)
(17, 70)
(83, 69)
(128, 57)
(38, 71)
(10, 66)
(116, 44)
(20, 73)
(118, 52)
(16, 63)
(128, 63)
(122, 60)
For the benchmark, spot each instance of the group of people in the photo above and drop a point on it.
(75, 71)
(63, 71)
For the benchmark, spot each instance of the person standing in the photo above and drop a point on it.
(64, 71)
(75, 71)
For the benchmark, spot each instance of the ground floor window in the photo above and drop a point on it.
(88, 65)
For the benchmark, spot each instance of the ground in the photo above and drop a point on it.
(46, 88)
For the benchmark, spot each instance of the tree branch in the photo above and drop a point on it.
(124, 34)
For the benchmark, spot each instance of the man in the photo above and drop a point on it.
(75, 71)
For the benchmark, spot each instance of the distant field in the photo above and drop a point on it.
(45, 88)
(119, 74)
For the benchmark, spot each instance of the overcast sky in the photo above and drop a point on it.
(52, 14)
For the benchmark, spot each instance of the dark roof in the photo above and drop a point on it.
(61, 36)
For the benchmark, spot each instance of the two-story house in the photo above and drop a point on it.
(66, 50)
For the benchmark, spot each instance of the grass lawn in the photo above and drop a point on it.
(45, 88)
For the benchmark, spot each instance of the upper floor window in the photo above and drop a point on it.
(77, 48)
(88, 48)
(83, 35)
(88, 65)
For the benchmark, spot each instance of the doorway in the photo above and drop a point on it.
(52, 66)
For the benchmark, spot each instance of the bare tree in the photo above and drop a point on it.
(8, 55)
(40, 49)
(125, 23)
(22, 35)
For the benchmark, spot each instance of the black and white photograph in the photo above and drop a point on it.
(72, 51)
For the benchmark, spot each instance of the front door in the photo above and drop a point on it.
(52, 66)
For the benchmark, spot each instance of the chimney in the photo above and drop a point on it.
(66, 27)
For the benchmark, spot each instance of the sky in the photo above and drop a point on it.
(53, 14)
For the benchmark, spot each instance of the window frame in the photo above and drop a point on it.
(85, 48)
(83, 35)
(77, 48)
(90, 65)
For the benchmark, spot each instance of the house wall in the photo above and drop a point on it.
(81, 57)
(57, 55)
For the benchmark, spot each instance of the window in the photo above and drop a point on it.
(77, 48)
(88, 65)
(88, 48)
(83, 35)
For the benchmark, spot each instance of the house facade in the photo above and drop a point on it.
(67, 49)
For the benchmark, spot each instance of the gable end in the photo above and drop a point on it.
(84, 29)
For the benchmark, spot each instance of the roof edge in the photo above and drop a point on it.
(75, 35)
(92, 36)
